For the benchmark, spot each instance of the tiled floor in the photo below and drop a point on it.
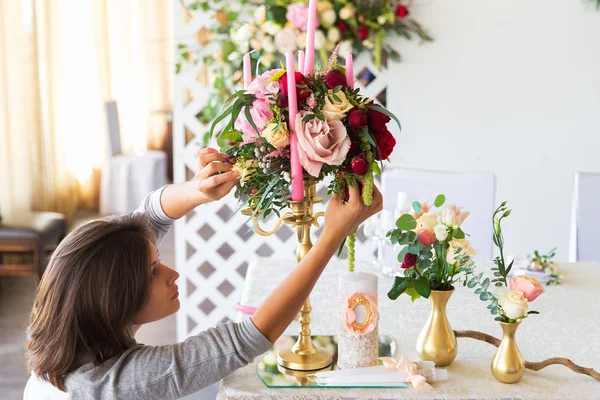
(16, 299)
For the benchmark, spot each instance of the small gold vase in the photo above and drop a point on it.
(508, 365)
(437, 342)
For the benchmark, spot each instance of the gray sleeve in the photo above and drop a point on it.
(174, 371)
(161, 222)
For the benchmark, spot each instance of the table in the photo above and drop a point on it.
(567, 327)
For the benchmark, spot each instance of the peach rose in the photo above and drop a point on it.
(465, 250)
(334, 109)
(320, 143)
(426, 237)
(277, 134)
(530, 287)
(427, 221)
(454, 216)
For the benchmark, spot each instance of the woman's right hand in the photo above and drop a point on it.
(343, 218)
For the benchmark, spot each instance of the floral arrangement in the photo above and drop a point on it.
(339, 132)
(544, 263)
(509, 301)
(435, 253)
(276, 27)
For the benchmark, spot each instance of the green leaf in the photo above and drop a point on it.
(341, 248)
(406, 222)
(422, 287)
(402, 253)
(458, 233)
(483, 296)
(400, 285)
(486, 283)
(219, 119)
(412, 237)
(249, 118)
(412, 292)
(417, 207)
(439, 200)
(386, 112)
(478, 291)
(471, 284)
(414, 249)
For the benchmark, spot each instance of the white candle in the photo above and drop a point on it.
(352, 282)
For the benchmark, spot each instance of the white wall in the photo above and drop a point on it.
(511, 87)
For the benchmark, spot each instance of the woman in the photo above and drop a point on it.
(105, 280)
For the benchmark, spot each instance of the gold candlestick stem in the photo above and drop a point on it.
(304, 355)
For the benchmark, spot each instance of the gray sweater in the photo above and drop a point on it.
(161, 372)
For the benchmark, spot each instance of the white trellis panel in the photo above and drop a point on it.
(212, 250)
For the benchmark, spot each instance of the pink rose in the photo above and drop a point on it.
(454, 216)
(425, 236)
(297, 14)
(320, 142)
(530, 287)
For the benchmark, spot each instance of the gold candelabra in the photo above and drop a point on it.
(304, 355)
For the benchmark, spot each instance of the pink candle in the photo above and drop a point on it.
(310, 37)
(296, 168)
(349, 70)
(247, 70)
(301, 62)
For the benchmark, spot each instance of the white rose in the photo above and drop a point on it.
(500, 293)
(368, 44)
(320, 40)
(333, 109)
(285, 41)
(329, 46)
(268, 44)
(441, 232)
(260, 15)
(255, 44)
(345, 47)
(301, 40)
(267, 59)
(347, 12)
(328, 17)
(382, 19)
(271, 28)
(333, 34)
(243, 34)
(514, 304)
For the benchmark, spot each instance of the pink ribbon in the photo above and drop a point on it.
(411, 369)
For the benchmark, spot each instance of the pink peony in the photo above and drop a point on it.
(530, 287)
(263, 90)
(320, 143)
(297, 14)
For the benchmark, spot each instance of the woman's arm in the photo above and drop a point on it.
(283, 304)
(214, 180)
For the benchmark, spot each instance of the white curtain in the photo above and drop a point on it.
(60, 60)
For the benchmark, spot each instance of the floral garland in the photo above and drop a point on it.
(276, 27)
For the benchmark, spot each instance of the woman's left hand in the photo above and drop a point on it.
(215, 177)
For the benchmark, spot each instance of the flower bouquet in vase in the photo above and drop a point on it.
(290, 128)
(435, 256)
(509, 302)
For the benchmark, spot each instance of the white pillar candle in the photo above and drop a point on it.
(357, 349)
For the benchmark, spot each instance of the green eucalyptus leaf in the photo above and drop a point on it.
(406, 222)
(439, 200)
(417, 207)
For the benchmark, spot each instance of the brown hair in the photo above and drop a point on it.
(97, 280)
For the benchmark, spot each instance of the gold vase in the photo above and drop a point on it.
(508, 365)
(437, 342)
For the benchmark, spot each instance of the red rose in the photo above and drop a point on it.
(335, 78)
(301, 93)
(377, 121)
(360, 166)
(385, 143)
(357, 118)
(401, 11)
(362, 32)
(342, 27)
(409, 260)
(282, 101)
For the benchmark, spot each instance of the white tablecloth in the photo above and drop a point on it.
(568, 326)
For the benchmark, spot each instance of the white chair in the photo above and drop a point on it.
(475, 191)
(126, 179)
(585, 218)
